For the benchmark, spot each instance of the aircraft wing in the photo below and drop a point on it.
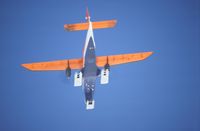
(121, 59)
(78, 63)
(55, 65)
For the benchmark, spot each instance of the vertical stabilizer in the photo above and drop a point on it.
(87, 17)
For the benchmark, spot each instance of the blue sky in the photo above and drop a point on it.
(161, 93)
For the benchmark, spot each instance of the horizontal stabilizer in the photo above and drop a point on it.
(95, 25)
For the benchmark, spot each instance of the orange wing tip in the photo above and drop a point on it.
(27, 66)
(147, 54)
(66, 27)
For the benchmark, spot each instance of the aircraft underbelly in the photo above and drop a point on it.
(90, 71)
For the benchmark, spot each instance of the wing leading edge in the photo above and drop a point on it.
(78, 63)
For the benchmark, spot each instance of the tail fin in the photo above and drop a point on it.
(87, 15)
(95, 25)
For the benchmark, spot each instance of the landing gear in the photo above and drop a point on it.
(78, 79)
(105, 76)
(105, 73)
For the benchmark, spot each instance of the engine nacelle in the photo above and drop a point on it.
(105, 76)
(78, 79)
(68, 72)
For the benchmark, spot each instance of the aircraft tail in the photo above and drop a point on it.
(95, 25)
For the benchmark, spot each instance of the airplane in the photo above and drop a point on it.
(90, 66)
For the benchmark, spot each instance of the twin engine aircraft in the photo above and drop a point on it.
(90, 66)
